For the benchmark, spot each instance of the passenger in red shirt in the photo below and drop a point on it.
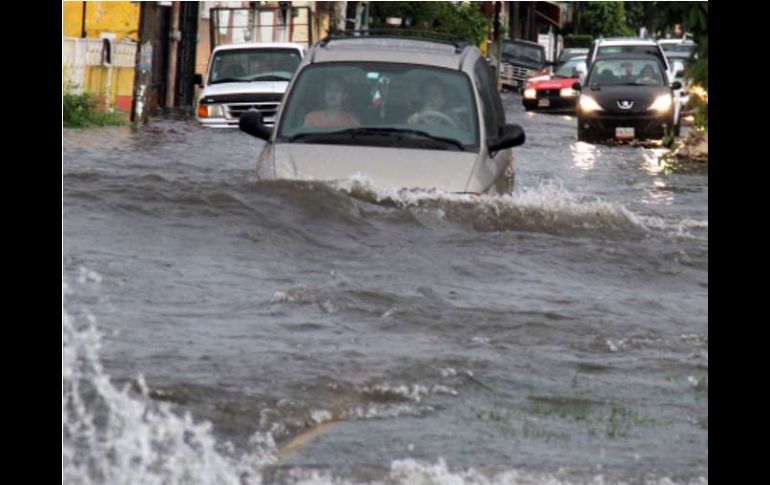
(333, 116)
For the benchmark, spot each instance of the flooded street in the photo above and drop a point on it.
(223, 330)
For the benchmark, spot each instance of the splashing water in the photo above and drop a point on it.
(112, 437)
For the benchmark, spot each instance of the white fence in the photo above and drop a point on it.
(77, 54)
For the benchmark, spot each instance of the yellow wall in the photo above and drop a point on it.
(120, 18)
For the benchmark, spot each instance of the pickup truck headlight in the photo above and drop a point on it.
(661, 104)
(530, 93)
(210, 111)
(588, 104)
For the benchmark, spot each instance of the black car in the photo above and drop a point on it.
(626, 97)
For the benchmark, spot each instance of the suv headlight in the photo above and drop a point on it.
(211, 111)
(661, 104)
(588, 104)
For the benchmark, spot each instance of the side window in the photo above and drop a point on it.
(492, 107)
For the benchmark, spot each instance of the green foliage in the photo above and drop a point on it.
(465, 20)
(79, 111)
(577, 41)
(658, 17)
(669, 141)
(700, 108)
(605, 19)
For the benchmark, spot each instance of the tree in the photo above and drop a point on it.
(464, 20)
(604, 19)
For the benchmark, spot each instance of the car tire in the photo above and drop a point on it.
(583, 134)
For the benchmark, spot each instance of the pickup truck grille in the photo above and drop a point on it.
(510, 71)
(235, 110)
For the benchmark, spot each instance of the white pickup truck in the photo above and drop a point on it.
(245, 76)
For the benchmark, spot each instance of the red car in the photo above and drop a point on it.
(555, 91)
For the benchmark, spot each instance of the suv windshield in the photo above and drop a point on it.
(678, 48)
(653, 50)
(381, 104)
(523, 51)
(619, 72)
(244, 65)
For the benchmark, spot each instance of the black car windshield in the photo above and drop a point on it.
(620, 72)
(523, 51)
(381, 104)
(245, 65)
(572, 68)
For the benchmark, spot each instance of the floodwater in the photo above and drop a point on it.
(222, 330)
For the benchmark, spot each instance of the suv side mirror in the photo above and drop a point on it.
(577, 86)
(251, 123)
(510, 136)
(676, 85)
(198, 79)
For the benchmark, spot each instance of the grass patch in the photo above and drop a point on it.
(80, 111)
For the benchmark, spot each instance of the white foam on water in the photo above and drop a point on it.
(112, 437)
(409, 471)
(549, 202)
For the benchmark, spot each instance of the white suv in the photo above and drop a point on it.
(404, 112)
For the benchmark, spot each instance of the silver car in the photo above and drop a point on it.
(403, 112)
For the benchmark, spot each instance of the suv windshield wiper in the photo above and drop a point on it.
(353, 132)
(227, 80)
(269, 77)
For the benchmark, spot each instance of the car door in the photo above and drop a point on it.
(496, 169)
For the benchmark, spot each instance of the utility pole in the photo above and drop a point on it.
(497, 43)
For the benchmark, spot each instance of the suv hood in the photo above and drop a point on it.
(384, 166)
(245, 88)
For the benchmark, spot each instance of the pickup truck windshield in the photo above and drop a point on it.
(381, 104)
(245, 65)
(522, 51)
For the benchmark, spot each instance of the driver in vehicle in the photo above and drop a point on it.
(333, 116)
(435, 100)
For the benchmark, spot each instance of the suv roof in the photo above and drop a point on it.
(625, 41)
(628, 55)
(260, 45)
(437, 52)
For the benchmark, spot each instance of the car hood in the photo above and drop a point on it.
(641, 97)
(245, 88)
(384, 166)
(552, 83)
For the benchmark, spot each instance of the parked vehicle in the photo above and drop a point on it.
(404, 112)
(678, 46)
(571, 53)
(246, 76)
(628, 45)
(555, 92)
(626, 97)
(521, 60)
(680, 62)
